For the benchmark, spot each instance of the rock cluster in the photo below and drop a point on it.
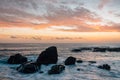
(17, 59)
(48, 56)
(104, 66)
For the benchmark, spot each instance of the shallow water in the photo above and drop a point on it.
(87, 71)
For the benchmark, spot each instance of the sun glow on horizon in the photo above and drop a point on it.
(59, 21)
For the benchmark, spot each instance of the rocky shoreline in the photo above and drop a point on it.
(48, 56)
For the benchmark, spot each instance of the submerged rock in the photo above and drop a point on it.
(105, 66)
(29, 67)
(92, 62)
(17, 59)
(49, 56)
(78, 69)
(79, 61)
(97, 49)
(56, 69)
(70, 61)
(76, 50)
(41, 72)
(114, 49)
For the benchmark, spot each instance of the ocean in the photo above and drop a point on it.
(87, 71)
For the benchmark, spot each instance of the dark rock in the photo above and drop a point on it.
(85, 48)
(17, 59)
(105, 66)
(41, 72)
(92, 62)
(49, 56)
(78, 69)
(28, 67)
(70, 61)
(114, 49)
(56, 69)
(79, 61)
(97, 49)
(76, 50)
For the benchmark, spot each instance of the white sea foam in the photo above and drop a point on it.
(87, 71)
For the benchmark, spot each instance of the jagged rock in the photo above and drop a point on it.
(70, 61)
(56, 69)
(49, 56)
(28, 67)
(105, 66)
(17, 59)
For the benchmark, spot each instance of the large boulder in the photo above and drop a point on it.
(104, 66)
(49, 56)
(17, 59)
(70, 61)
(28, 67)
(56, 69)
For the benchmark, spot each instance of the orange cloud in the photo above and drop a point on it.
(36, 16)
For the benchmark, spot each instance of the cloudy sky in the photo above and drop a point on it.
(59, 21)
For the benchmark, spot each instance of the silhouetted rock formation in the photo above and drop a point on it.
(70, 61)
(76, 50)
(92, 62)
(81, 49)
(105, 66)
(17, 59)
(97, 49)
(29, 67)
(49, 56)
(79, 61)
(56, 69)
(114, 49)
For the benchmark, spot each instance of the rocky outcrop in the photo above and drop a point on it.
(104, 66)
(70, 61)
(17, 59)
(49, 56)
(56, 69)
(28, 67)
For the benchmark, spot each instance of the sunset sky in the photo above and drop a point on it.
(59, 21)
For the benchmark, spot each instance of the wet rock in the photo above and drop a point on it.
(41, 72)
(79, 61)
(97, 49)
(105, 66)
(17, 59)
(114, 49)
(92, 62)
(49, 56)
(70, 61)
(56, 69)
(28, 67)
(78, 69)
(76, 50)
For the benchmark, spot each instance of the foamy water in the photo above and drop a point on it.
(87, 71)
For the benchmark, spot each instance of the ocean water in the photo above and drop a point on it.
(87, 71)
